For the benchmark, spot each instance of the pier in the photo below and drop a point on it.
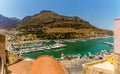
(109, 43)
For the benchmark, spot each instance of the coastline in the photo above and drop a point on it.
(26, 42)
(71, 41)
(80, 39)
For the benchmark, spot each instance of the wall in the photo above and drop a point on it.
(12, 58)
(89, 69)
(117, 46)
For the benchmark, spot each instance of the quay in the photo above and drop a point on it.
(109, 43)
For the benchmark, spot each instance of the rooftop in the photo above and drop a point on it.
(105, 66)
(47, 65)
(42, 65)
(21, 67)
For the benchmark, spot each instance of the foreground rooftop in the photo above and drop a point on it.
(22, 67)
(105, 66)
(42, 65)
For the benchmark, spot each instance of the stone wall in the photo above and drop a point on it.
(117, 46)
(11, 57)
(92, 70)
(74, 66)
(117, 63)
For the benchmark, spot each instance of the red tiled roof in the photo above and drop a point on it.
(21, 67)
(47, 65)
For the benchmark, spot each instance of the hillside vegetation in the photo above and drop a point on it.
(50, 25)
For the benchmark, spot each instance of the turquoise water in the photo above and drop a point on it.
(73, 48)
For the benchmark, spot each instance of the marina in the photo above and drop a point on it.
(28, 48)
(82, 48)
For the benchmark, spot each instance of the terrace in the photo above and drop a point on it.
(105, 66)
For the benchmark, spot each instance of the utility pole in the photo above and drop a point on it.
(117, 46)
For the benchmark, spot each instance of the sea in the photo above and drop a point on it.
(77, 47)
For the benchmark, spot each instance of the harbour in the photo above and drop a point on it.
(77, 47)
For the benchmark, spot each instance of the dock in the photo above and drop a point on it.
(109, 43)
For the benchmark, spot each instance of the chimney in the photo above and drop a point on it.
(117, 46)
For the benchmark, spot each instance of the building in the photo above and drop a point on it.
(2, 54)
(47, 65)
(109, 65)
(105, 66)
(42, 65)
(117, 46)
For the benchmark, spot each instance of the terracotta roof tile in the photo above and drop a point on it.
(21, 67)
(47, 65)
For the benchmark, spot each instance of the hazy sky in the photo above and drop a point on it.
(100, 13)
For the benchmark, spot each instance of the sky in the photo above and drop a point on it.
(100, 13)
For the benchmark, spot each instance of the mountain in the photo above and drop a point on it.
(50, 25)
(15, 19)
(6, 22)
